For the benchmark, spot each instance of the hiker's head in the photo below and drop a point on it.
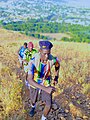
(45, 48)
(30, 46)
(25, 45)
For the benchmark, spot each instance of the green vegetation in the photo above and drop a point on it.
(34, 27)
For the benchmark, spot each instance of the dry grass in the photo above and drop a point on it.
(56, 36)
(75, 64)
(12, 36)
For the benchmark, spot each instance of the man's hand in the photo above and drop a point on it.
(50, 89)
(55, 83)
(55, 80)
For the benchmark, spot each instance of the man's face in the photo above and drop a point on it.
(25, 46)
(30, 48)
(44, 54)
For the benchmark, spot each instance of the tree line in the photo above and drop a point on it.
(34, 27)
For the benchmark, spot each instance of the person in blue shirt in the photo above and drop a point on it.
(21, 54)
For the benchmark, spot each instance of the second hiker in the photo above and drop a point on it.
(28, 54)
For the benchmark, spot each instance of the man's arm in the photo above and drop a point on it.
(18, 51)
(34, 83)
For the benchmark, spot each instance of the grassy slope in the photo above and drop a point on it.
(74, 64)
(10, 84)
(10, 42)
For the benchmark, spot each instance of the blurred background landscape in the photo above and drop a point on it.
(66, 23)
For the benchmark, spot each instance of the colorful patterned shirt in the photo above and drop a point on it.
(41, 71)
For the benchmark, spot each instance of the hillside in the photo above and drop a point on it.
(74, 12)
(72, 98)
(12, 36)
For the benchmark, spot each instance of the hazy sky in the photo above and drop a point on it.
(79, 3)
(75, 3)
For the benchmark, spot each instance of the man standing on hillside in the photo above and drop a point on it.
(28, 54)
(39, 77)
(21, 54)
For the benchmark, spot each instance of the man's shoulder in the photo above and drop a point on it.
(21, 47)
(51, 57)
(53, 60)
(36, 55)
(35, 59)
(34, 50)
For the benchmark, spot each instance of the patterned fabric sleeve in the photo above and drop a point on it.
(57, 64)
